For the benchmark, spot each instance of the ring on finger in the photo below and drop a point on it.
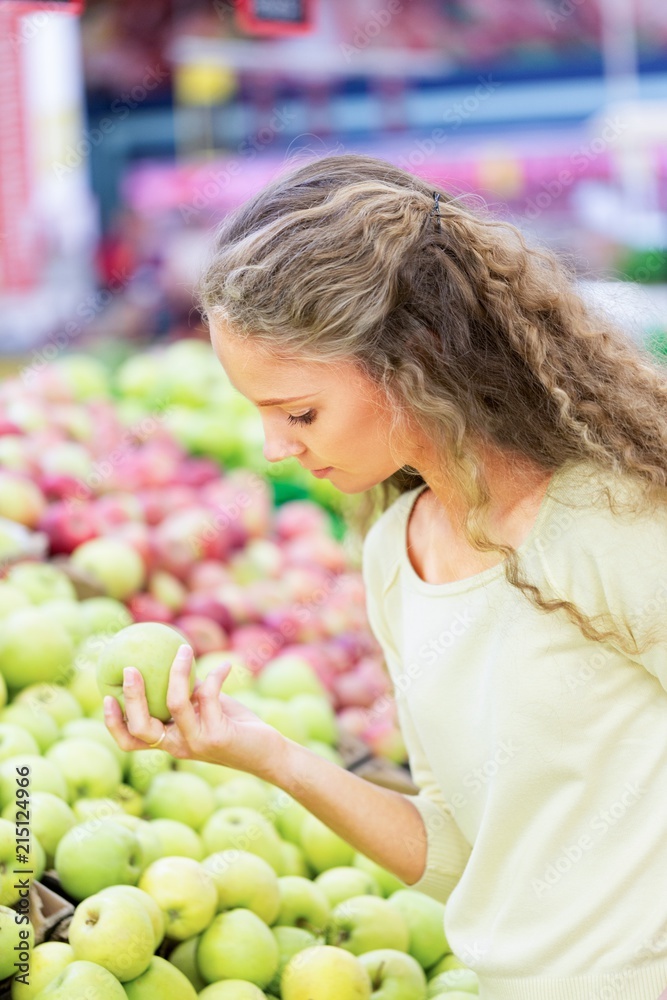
(154, 746)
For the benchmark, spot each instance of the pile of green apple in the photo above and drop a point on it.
(193, 878)
(95, 470)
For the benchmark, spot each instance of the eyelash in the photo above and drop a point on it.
(305, 418)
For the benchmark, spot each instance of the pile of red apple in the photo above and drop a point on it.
(179, 539)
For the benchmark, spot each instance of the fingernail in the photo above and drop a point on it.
(107, 703)
(128, 676)
(183, 652)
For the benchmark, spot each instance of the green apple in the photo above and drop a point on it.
(246, 790)
(53, 699)
(319, 717)
(90, 769)
(105, 615)
(238, 945)
(87, 809)
(68, 612)
(245, 829)
(302, 904)
(44, 777)
(425, 918)
(184, 891)
(47, 961)
(446, 963)
(286, 676)
(244, 880)
(184, 957)
(387, 881)
(150, 844)
(294, 861)
(13, 858)
(113, 931)
(290, 940)
(283, 717)
(178, 839)
(41, 582)
(83, 685)
(213, 774)
(16, 940)
(289, 816)
(322, 847)
(365, 923)
(43, 729)
(326, 973)
(129, 800)
(167, 589)
(112, 563)
(458, 980)
(33, 648)
(394, 975)
(4, 694)
(96, 854)
(150, 647)
(160, 980)
(144, 765)
(15, 740)
(138, 895)
(180, 796)
(94, 729)
(11, 599)
(50, 819)
(239, 678)
(232, 989)
(341, 883)
(82, 980)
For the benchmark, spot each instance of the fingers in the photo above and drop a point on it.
(178, 692)
(113, 718)
(140, 723)
(210, 709)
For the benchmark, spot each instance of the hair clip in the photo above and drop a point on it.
(436, 208)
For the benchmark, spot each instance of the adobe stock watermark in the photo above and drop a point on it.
(600, 824)
(453, 117)
(579, 162)
(565, 9)
(374, 24)
(120, 108)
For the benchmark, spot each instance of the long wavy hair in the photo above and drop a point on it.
(472, 335)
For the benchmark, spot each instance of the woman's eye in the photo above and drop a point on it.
(305, 418)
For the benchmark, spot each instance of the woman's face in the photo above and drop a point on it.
(336, 417)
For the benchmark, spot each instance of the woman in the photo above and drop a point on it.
(516, 579)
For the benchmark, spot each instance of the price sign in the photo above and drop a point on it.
(275, 17)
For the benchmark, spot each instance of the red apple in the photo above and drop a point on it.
(158, 503)
(59, 486)
(146, 608)
(300, 517)
(207, 575)
(209, 606)
(204, 635)
(68, 525)
(308, 549)
(198, 471)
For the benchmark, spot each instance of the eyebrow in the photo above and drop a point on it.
(277, 402)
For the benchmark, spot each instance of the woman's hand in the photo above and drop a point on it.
(212, 726)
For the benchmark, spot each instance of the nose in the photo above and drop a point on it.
(279, 444)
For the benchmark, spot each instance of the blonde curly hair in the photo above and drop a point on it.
(468, 330)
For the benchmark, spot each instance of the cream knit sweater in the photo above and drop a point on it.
(541, 756)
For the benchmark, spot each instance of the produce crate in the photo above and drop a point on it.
(359, 759)
(50, 916)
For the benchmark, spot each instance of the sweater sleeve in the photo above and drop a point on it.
(447, 850)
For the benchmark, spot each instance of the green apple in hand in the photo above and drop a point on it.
(160, 981)
(83, 980)
(113, 931)
(151, 648)
(132, 892)
(322, 847)
(238, 945)
(245, 880)
(180, 796)
(325, 973)
(50, 819)
(47, 961)
(184, 891)
(13, 936)
(366, 923)
(342, 883)
(178, 839)
(97, 854)
(394, 975)
(425, 918)
(302, 904)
